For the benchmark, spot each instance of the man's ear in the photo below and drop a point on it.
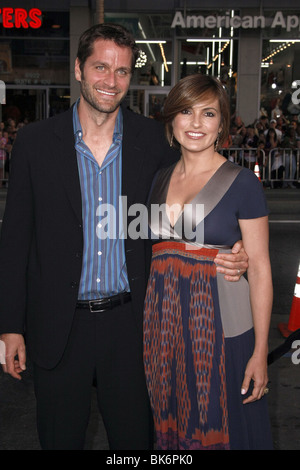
(77, 70)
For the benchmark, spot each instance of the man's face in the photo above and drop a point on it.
(106, 76)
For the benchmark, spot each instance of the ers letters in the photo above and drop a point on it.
(20, 18)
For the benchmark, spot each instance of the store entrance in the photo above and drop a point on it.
(29, 104)
(148, 101)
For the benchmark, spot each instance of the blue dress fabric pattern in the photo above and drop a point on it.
(194, 353)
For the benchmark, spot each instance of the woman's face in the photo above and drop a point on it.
(272, 132)
(197, 128)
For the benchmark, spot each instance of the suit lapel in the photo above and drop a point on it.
(66, 160)
(132, 156)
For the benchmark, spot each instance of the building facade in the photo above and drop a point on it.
(254, 49)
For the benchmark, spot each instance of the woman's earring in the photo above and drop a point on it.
(217, 142)
(171, 141)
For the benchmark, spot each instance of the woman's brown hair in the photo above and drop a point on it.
(187, 92)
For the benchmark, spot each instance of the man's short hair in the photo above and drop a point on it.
(108, 32)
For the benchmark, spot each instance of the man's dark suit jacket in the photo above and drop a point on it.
(42, 238)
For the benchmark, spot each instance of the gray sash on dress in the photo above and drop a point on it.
(209, 196)
(217, 186)
(234, 297)
(188, 223)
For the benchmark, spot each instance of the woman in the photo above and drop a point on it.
(271, 140)
(250, 143)
(3, 142)
(274, 156)
(289, 142)
(205, 351)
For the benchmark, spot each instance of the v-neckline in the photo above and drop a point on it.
(196, 195)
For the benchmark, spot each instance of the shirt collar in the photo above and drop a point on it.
(118, 130)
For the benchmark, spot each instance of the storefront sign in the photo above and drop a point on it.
(20, 18)
(226, 21)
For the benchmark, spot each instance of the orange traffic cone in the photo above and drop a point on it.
(256, 171)
(294, 320)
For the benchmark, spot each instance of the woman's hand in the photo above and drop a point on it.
(257, 371)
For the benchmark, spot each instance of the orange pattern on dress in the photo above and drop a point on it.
(165, 342)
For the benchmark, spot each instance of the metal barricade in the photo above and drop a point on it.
(3, 177)
(284, 165)
(279, 165)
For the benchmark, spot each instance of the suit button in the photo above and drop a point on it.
(78, 255)
(74, 284)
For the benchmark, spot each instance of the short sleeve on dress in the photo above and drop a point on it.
(252, 203)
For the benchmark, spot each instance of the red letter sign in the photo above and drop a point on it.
(34, 14)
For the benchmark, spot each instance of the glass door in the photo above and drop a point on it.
(154, 102)
(29, 103)
(25, 105)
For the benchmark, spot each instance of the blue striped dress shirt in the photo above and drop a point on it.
(103, 264)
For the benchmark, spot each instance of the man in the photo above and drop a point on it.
(76, 296)
(273, 124)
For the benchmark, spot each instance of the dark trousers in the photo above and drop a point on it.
(104, 347)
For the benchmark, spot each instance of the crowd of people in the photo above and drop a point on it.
(266, 141)
(8, 133)
(263, 141)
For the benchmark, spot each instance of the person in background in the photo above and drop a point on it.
(3, 153)
(289, 142)
(273, 125)
(250, 143)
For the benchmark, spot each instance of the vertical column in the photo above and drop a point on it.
(296, 66)
(249, 75)
(80, 20)
(176, 55)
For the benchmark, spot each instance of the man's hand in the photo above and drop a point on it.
(233, 265)
(15, 355)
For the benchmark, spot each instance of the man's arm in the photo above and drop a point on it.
(233, 265)
(16, 234)
(15, 354)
